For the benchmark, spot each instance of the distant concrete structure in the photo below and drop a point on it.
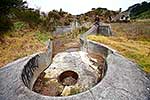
(121, 17)
(69, 28)
(103, 29)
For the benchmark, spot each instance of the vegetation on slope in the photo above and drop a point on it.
(144, 15)
(12, 11)
(23, 30)
(23, 41)
(103, 13)
(140, 11)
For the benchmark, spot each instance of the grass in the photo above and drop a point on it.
(129, 42)
(19, 44)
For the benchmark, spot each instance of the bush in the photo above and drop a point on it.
(6, 13)
(30, 16)
(19, 25)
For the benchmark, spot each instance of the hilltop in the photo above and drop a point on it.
(140, 10)
(136, 11)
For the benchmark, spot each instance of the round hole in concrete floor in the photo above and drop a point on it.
(68, 78)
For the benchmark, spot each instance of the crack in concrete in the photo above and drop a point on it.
(92, 94)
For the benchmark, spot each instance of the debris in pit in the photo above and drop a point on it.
(52, 88)
(71, 90)
(69, 81)
(39, 83)
(47, 87)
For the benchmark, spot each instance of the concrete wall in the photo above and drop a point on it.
(33, 68)
(105, 30)
(36, 65)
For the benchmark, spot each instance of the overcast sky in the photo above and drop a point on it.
(80, 6)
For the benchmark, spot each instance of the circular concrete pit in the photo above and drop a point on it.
(70, 73)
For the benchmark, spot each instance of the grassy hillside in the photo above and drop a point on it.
(140, 10)
(144, 15)
(132, 40)
(21, 43)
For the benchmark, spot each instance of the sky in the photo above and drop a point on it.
(81, 6)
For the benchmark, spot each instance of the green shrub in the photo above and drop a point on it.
(19, 25)
(43, 37)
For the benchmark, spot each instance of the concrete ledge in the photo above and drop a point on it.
(123, 81)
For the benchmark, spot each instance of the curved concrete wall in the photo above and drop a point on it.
(91, 46)
(123, 79)
(36, 65)
(33, 68)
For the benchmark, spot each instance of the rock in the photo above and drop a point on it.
(52, 88)
(71, 90)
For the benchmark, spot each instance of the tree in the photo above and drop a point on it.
(30, 16)
(6, 12)
(52, 20)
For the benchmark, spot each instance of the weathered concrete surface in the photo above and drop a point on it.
(13, 88)
(123, 79)
(87, 68)
(105, 30)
